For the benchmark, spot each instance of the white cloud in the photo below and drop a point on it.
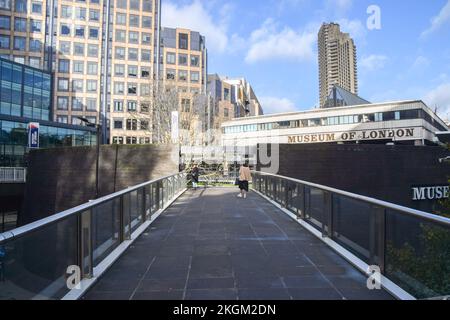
(276, 105)
(439, 98)
(339, 5)
(269, 42)
(195, 16)
(438, 21)
(421, 62)
(373, 62)
(355, 28)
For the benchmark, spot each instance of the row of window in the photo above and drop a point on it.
(147, 5)
(133, 20)
(131, 88)
(338, 120)
(79, 49)
(21, 24)
(74, 120)
(62, 103)
(183, 75)
(130, 124)
(132, 71)
(31, 61)
(133, 54)
(183, 59)
(132, 106)
(67, 12)
(21, 6)
(79, 31)
(130, 140)
(20, 43)
(77, 85)
(133, 37)
(78, 66)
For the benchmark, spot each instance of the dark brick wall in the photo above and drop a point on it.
(59, 179)
(378, 171)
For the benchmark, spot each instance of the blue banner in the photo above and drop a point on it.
(33, 135)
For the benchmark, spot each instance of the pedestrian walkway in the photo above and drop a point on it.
(209, 244)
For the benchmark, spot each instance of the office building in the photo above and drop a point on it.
(337, 61)
(24, 98)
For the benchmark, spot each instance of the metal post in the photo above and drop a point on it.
(86, 252)
(121, 221)
(99, 133)
(144, 209)
(301, 192)
(381, 231)
(327, 215)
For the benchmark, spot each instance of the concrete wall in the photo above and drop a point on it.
(378, 171)
(59, 179)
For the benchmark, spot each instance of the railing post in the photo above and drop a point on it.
(144, 209)
(121, 220)
(302, 209)
(381, 243)
(327, 220)
(85, 245)
(286, 194)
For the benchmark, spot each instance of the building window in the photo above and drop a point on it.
(91, 104)
(5, 22)
(121, 18)
(119, 70)
(77, 104)
(64, 47)
(131, 124)
(117, 140)
(133, 54)
(80, 14)
(226, 94)
(120, 53)
(76, 121)
(122, 4)
(94, 15)
(170, 58)
(4, 41)
(146, 38)
(91, 85)
(133, 37)
(35, 25)
(35, 45)
(93, 50)
(118, 105)
(78, 49)
(61, 119)
(144, 124)
(119, 88)
(36, 7)
(120, 35)
(397, 115)
(20, 6)
(145, 89)
(132, 88)
(226, 112)
(20, 24)
(131, 105)
(5, 4)
(19, 43)
(92, 68)
(132, 71)
(77, 85)
(78, 66)
(131, 140)
(135, 5)
(118, 124)
(195, 61)
(147, 5)
(62, 103)
(145, 107)
(66, 12)
(146, 55)
(182, 60)
(93, 33)
(64, 65)
(195, 76)
(145, 72)
(79, 31)
(182, 75)
(170, 74)
(378, 117)
(146, 22)
(183, 41)
(65, 29)
(91, 119)
(186, 105)
(134, 20)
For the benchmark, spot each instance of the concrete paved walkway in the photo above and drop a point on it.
(212, 245)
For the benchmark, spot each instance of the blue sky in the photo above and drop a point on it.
(273, 43)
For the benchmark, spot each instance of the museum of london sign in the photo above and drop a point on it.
(393, 134)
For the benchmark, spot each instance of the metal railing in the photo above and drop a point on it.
(34, 259)
(13, 175)
(411, 247)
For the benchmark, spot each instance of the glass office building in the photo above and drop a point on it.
(25, 97)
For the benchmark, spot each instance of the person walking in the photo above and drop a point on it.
(195, 174)
(244, 178)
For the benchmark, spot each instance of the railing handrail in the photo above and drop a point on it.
(409, 211)
(33, 226)
(16, 174)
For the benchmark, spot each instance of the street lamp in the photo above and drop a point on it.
(99, 132)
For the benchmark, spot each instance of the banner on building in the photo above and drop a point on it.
(33, 135)
(174, 126)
